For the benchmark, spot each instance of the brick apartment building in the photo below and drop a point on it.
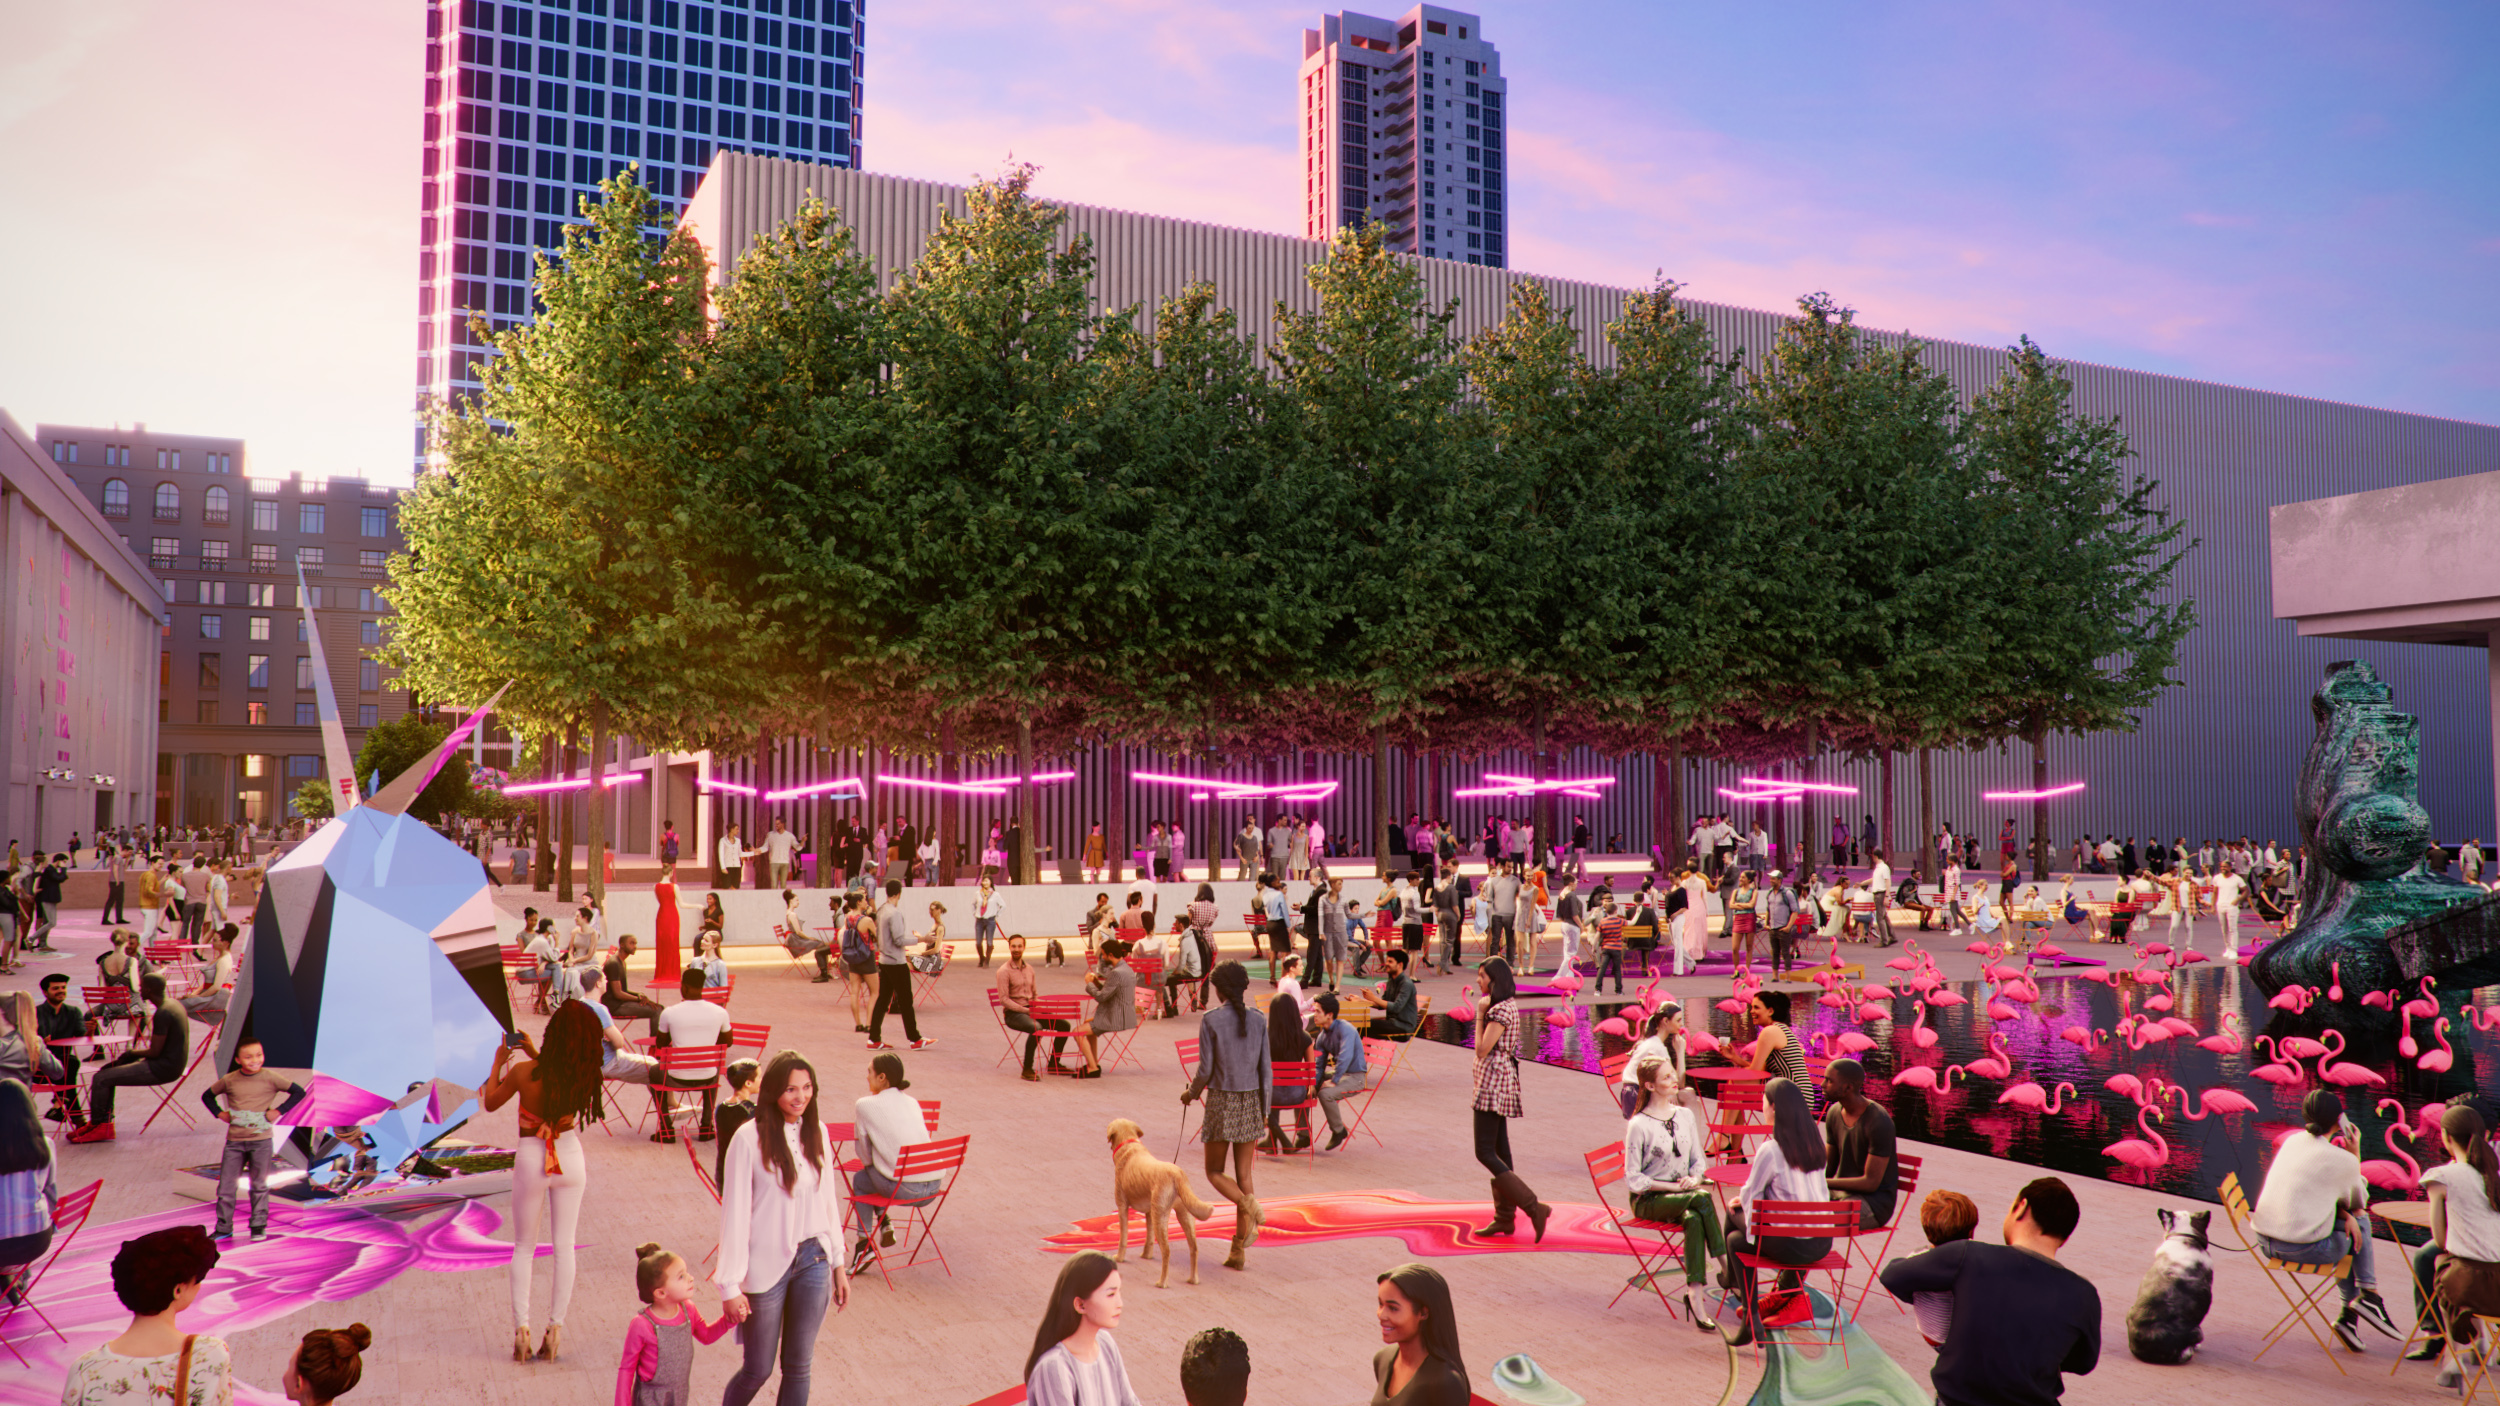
(236, 723)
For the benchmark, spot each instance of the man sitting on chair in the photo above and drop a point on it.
(162, 1062)
(2312, 1210)
(690, 1024)
(619, 1060)
(1396, 1017)
(1858, 1141)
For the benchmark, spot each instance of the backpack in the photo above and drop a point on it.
(854, 947)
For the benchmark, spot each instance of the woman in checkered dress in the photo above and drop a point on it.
(1497, 1098)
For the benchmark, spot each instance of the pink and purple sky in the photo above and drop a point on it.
(213, 207)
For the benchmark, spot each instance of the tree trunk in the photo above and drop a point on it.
(1660, 779)
(1673, 849)
(1883, 811)
(1808, 838)
(598, 884)
(871, 762)
(950, 771)
(762, 780)
(1542, 801)
(1782, 857)
(2039, 804)
(1926, 817)
(542, 841)
(1115, 843)
(1380, 797)
(564, 822)
(1028, 814)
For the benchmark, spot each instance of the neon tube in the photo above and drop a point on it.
(730, 786)
(968, 788)
(578, 783)
(1824, 786)
(1762, 795)
(1561, 785)
(818, 788)
(2066, 790)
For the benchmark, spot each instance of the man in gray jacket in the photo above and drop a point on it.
(893, 973)
(1246, 848)
(1501, 899)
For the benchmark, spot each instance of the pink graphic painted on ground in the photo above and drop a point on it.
(316, 1254)
(1433, 1228)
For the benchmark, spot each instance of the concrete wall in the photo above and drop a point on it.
(2416, 559)
(79, 635)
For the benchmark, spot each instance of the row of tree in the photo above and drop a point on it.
(976, 512)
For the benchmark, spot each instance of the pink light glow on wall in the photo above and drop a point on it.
(817, 789)
(2066, 790)
(1762, 795)
(1826, 787)
(579, 783)
(730, 786)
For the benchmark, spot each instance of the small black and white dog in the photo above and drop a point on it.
(2168, 1319)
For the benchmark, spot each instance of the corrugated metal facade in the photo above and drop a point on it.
(2216, 756)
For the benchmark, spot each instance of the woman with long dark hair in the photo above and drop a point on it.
(1420, 1366)
(558, 1088)
(29, 1194)
(1234, 1072)
(1788, 1166)
(1775, 1044)
(1074, 1362)
(780, 1209)
(2457, 1275)
(1497, 1098)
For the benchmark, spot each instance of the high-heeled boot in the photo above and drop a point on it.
(1505, 1213)
(1525, 1199)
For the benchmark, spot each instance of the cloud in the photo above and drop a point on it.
(2206, 219)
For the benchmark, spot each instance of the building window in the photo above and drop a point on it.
(368, 715)
(64, 451)
(306, 715)
(309, 518)
(264, 556)
(211, 671)
(117, 497)
(255, 765)
(264, 515)
(260, 629)
(371, 563)
(212, 593)
(213, 555)
(300, 767)
(221, 463)
(215, 507)
(303, 671)
(368, 676)
(256, 671)
(311, 558)
(376, 521)
(256, 713)
(320, 597)
(260, 595)
(168, 503)
(369, 632)
(207, 711)
(212, 627)
(161, 554)
(368, 598)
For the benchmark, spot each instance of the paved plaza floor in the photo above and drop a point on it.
(433, 1288)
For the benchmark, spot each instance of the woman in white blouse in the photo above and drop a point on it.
(1663, 1167)
(780, 1209)
(1662, 1039)
(1787, 1166)
(1074, 1362)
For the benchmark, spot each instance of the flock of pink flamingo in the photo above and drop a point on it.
(2147, 1019)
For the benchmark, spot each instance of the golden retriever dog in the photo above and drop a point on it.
(1142, 1184)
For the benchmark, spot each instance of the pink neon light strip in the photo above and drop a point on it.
(1762, 795)
(579, 783)
(2066, 790)
(1529, 783)
(817, 789)
(1824, 786)
(731, 786)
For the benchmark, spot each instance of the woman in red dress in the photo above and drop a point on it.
(665, 927)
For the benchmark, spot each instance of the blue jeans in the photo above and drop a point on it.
(784, 1319)
(2330, 1250)
(868, 1181)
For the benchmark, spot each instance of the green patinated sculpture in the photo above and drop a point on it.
(2372, 916)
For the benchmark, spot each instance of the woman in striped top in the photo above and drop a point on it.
(1775, 1045)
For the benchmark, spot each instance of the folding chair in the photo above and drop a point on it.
(1610, 1068)
(1800, 1220)
(1740, 1097)
(681, 1066)
(2486, 1344)
(69, 1216)
(1187, 1050)
(719, 995)
(203, 1039)
(2305, 1307)
(1149, 986)
(703, 1176)
(942, 1160)
(126, 997)
(749, 1035)
(802, 965)
(1379, 1057)
(1300, 1074)
(1652, 1259)
(928, 1119)
(1118, 1047)
(998, 1013)
(1857, 1241)
(924, 985)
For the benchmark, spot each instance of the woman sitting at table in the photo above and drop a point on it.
(1786, 1166)
(1114, 989)
(2457, 1275)
(1662, 1168)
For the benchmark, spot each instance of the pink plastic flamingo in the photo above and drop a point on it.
(1948, 998)
(2291, 998)
(2138, 1152)
(1998, 1062)
(2125, 1085)
(1999, 1010)
(2277, 1070)
(2485, 1019)
(2333, 1070)
(1621, 1029)
(2425, 1005)
(2405, 1043)
(2381, 1000)
(1701, 1041)
(2438, 1060)
(2083, 1036)
(1919, 1076)
(2226, 1041)
(2030, 1095)
(2404, 1175)
(2335, 976)
(1920, 1035)
(2212, 1101)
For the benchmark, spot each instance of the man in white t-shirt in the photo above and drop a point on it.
(780, 851)
(1879, 887)
(690, 1024)
(2307, 1213)
(2229, 890)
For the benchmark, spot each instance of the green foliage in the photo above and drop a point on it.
(981, 501)
(312, 800)
(411, 740)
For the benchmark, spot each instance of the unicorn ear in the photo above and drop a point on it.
(395, 798)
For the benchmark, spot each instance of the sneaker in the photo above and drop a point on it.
(2426, 1350)
(879, 1045)
(94, 1132)
(1031, 1077)
(223, 1232)
(924, 1043)
(259, 1233)
(863, 1255)
(2451, 1372)
(2347, 1326)
(1337, 1138)
(2373, 1311)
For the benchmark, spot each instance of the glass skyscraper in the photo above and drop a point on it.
(529, 105)
(1402, 122)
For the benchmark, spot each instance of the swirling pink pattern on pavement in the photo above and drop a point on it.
(315, 1254)
(1434, 1228)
